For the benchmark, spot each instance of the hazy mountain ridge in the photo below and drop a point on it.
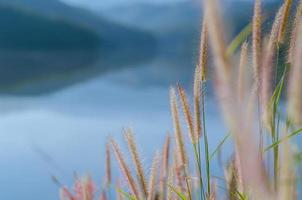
(113, 32)
(49, 43)
(177, 25)
(28, 31)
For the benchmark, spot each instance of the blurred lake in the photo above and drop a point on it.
(72, 77)
(65, 132)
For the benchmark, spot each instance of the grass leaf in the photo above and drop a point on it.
(219, 145)
(283, 139)
(179, 194)
(125, 194)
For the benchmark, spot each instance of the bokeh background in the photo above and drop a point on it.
(74, 72)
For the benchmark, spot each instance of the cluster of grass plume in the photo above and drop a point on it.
(259, 168)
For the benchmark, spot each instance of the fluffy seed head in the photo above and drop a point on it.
(241, 72)
(267, 70)
(256, 44)
(107, 166)
(293, 36)
(203, 51)
(187, 114)
(177, 132)
(136, 162)
(295, 81)
(124, 169)
(283, 20)
(152, 179)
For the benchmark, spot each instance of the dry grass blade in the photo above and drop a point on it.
(294, 31)
(177, 131)
(256, 44)
(295, 81)
(187, 113)
(136, 162)
(124, 169)
(152, 179)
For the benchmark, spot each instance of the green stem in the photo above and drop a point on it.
(206, 145)
(199, 170)
(188, 186)
(274, 131)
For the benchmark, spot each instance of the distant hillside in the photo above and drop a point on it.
(28, 31)
(177, 27)
(46, 45)
(114, 33)
(178, 24)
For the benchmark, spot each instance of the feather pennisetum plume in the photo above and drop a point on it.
(294, 31)
(187, 114)
(199, 78)
(217, 41)
(164, 168)
(196, 103)
(252, 168)
(107, 166)
(267, 70)
(241, 72)
(152, 178)
(177, 131)
(231, 179)
(178, 173)
(124, 169)
(283, 20)
(136, 162)
(84, 189)
(203, 52)
(256, 44)
(223, 83)
(295, 81)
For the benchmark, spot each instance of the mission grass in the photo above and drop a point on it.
(258, 169)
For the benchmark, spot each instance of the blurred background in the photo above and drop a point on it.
(73, 72)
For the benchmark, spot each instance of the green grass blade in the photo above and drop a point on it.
(219, 146)
(125, 194)
(241, 196)
(283, 139)
(199, 170)
(239, 39)
(179, 194)
(206, 144)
